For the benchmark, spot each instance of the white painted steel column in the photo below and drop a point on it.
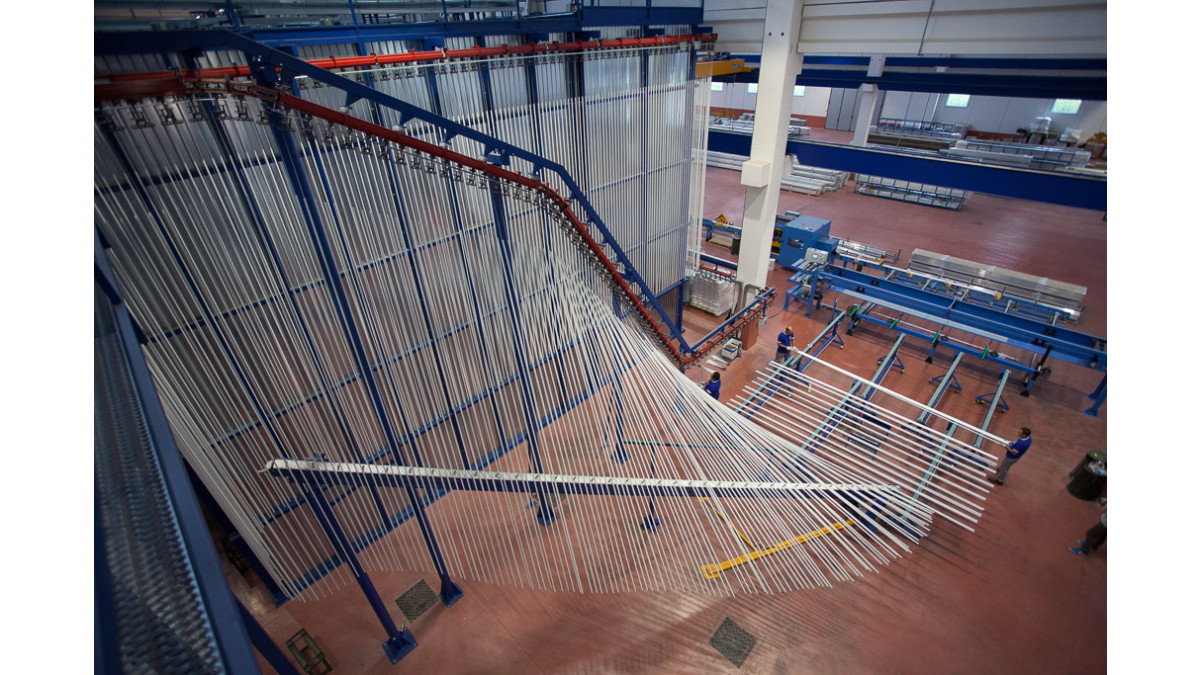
(868, 97)
(762, 173)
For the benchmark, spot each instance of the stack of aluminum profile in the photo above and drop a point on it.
(802, 176)
(713, 293)
(1063, 298)
(745, 125)
(908, 191)
(809, 180)
(1020, 154)
(922, 128)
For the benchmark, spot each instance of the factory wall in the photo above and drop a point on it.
(812, 105)
(994, 114)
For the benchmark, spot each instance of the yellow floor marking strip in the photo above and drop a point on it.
(713, 571)
(722, 517)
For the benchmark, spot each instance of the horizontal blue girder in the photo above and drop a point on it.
(1049, 187)
(586, 17)
(1065, 344)
(1087, 78)
(1097, 66)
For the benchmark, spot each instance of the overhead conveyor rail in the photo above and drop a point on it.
(277, 68)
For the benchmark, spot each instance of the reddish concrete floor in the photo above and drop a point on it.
(1007, 598)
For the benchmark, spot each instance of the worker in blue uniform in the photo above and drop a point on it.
(1015, 451)
(783, 345)
(713, 387)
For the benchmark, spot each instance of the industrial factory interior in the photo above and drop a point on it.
(603, 336)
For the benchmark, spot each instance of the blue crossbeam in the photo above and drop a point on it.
(1049, 187)
(1061, 343)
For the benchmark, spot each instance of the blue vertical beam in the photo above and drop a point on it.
(577, 88)
(545, 515)
(206, 499)
(1098, 396)
(436, 105)
(265, 645)
(231, 11)
(426, 318)
(456, 212)
(485, 88)
(107, 647)
(319, 239)
(535, 127)
(401, 214)
(946, 381)
(644, 81)
(483, 349)
(620, 455)
(996, 400)
(214, 589)
(400, 640)
(246, 195)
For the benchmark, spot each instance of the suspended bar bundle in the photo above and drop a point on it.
(314, 292)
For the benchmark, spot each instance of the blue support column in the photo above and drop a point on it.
(400, 640)
(402, 216)
(106, 645)
(545, 515)
(426, 317)
(266, 646)
(213, 587)
(320, 241)
(251, 206)
(1098, 396)
(996, 402)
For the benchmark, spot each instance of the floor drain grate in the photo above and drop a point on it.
(733, 642)
(416, 600)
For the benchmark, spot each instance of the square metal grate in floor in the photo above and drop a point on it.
(733, 642)
(416, 600)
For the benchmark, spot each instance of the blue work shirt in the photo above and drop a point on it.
(1018, 447)
(786, 340)
(714, 388)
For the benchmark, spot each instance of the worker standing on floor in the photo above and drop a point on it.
(783, 345)
(1015, 451)
(713, 387)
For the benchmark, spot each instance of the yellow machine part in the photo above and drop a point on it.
(726, 67)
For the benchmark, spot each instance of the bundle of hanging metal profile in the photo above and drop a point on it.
(378, 352)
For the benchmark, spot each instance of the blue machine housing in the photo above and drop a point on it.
(801, 233)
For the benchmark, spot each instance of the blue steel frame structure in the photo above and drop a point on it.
(1045, 340)
(1016, 77)
(275, 67)
(235, 632)
(256, 44)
